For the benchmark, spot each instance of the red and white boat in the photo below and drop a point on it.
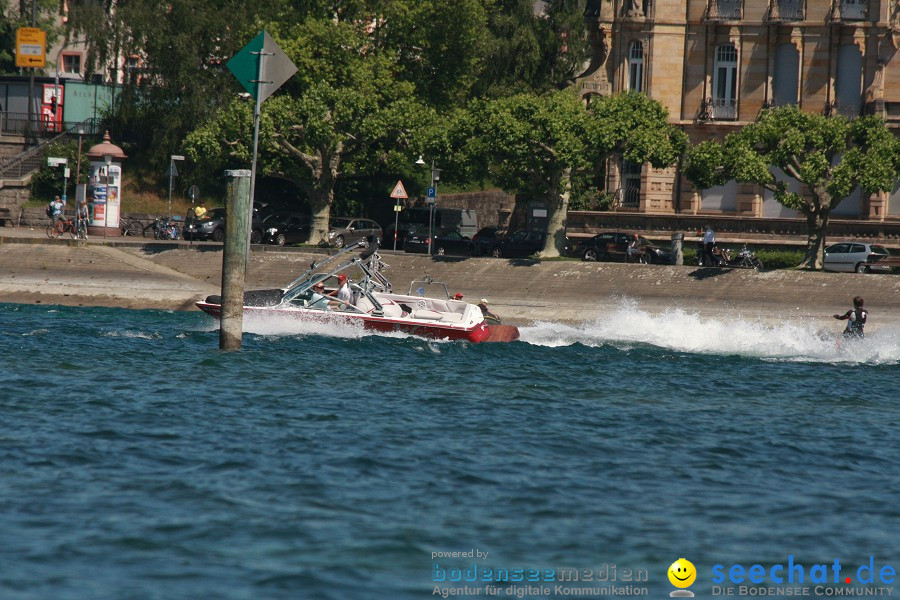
(373, 304)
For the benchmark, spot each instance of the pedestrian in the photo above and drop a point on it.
(200, 210)
(634, 249)
(709, 241)
(856, 319)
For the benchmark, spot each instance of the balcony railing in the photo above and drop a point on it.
(786, 10)
(724, 109)
(724, 10)
(849, 110)
(849, 10)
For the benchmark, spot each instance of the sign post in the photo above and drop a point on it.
(173, 172)
(398, 193)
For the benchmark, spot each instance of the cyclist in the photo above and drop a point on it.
(56, 211)
(82, 216)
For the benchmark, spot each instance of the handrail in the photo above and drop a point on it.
(32, 159)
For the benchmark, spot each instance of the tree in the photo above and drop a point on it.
(343, 111)
(635, 127)
(829, 156)
(529, 144)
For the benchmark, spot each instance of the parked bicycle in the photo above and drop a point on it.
(61, 228)
(129, 226)
(162, 228)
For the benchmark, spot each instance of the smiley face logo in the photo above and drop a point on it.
(682, 573)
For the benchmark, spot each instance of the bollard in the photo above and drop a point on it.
(234, 259)
(677, 251)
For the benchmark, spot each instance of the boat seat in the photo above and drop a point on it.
(392, 310)
(427, 314)
(453, 317)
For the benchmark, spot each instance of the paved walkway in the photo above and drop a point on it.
(142, 273)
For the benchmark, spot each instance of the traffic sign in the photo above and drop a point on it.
(194, 192)
(31, 47)
(177, 157)
(276, 66)
(399, 191)
(55, 162)
(432, 192)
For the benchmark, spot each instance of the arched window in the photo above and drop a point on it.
(725, 83)
(636, 66)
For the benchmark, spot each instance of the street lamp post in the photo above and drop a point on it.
(432, 199)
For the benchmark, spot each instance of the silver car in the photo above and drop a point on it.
(856, 256)
(348, 231)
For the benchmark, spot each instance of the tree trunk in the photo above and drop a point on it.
(320, 206)
(558, 205)
(816, 223)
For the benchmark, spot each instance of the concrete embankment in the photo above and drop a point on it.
(139, 275)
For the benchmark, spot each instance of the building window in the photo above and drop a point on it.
(71, 63)
(725, 83)
(631, 185)
(848, 92)
(852, 10)
(787, 75)
(636, 67)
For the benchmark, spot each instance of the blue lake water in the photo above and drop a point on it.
(138, 461)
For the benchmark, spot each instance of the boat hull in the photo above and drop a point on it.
(481, 332)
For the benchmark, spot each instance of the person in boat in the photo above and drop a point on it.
(319, 299)
(856, 319)
(342, 294)
(457, 296)
(489, 317)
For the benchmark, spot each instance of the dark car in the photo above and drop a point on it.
(445, 242)
(211, 226)
(487, 238)
(520, 243)
(613, 245)
(286, 228)
(346, 231)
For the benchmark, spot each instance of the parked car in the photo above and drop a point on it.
(211, 226)
(445, 242)
(613, 245)
(346, 230)
(520, 243)
(415, 220)
(856, 256)
(487, 238)
(286, 228)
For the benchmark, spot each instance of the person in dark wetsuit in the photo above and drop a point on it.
(856, 319)
(489, 317)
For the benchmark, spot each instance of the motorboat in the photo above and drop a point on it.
(372, 303)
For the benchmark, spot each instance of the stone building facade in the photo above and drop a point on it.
(714, 64)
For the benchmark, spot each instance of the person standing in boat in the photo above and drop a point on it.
(489, 317)
(856, 319)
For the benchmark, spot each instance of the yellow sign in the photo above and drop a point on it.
(31, 47)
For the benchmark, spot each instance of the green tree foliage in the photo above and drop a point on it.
(531, 50)
(344, 111)
(529, 144)
(829, 156)
(542, 145)
(47, 181)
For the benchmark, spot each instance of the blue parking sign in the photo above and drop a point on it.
(432, 192)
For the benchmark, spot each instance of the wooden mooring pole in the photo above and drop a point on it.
(235, 258)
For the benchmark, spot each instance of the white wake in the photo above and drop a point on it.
(800, 340)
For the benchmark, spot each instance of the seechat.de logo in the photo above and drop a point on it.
(682, 574)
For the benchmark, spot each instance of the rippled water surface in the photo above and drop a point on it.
(138, 461)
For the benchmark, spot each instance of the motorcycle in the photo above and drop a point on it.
(745, 259)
